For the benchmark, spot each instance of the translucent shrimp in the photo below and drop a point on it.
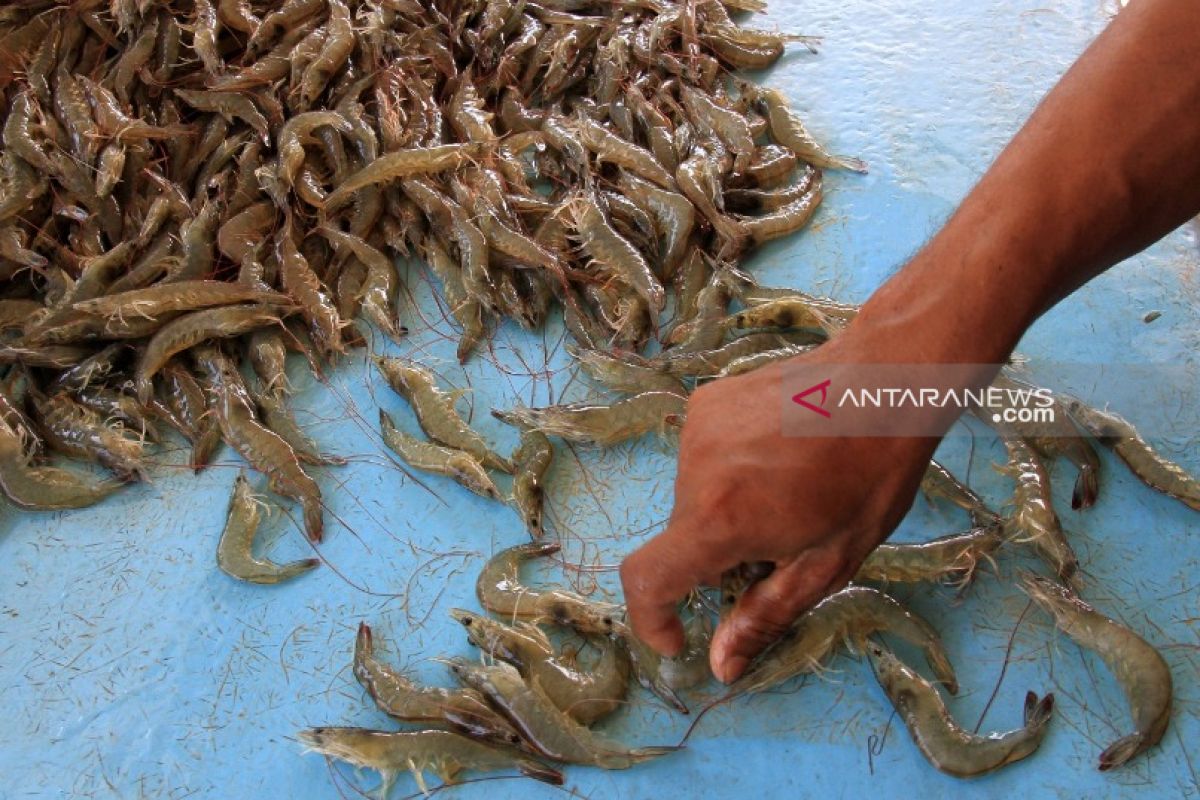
(1033, 519)
(848, 617)
(952, 558)
(440, 460)
(436, 412)
(1139, 668)
(789, 131)
(549, 730)
(587, 696)
(443, 753)
(44, 488)
(605, 425)
(530, 461)
(1143, 461)
(235, 550)
(612, 252)
(949, 747)
(402, 164)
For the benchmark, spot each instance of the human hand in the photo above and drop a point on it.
(746, 492)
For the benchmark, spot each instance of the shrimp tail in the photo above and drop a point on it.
(640, 754)
(1087, 487)
(540, 772)
(1121, 751)
(1037, 712)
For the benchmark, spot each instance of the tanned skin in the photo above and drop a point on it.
(1107, 164)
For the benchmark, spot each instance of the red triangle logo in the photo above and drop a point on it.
(823, 388)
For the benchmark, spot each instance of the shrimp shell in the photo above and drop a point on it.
(949, 747)
(234, 551)
(1137, 665)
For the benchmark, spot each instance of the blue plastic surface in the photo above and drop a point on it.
(130, 667)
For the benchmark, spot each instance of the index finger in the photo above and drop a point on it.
(660, 573)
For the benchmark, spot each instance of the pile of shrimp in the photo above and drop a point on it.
(190, 192)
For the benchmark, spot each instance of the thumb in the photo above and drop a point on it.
(767, 609)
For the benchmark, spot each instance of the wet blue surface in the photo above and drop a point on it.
(130, 667)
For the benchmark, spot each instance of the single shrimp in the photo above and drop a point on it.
(403, 164)
(435, 458)
(462, 710)
(627, 373)
(187, 410)
(664, 676)
(302, 284)
(789, 131)
(845, 617)
(44, 488)
(260, 446)
(604, 425)
(1138, 666)
(236, 14)
(276, 415)
(530, 461)
(436, 412)
(379, 289)
(586, 696)
(1143, 461)
(235, 550)
(549, 730)
(674, 216)
(946, 745)
(466, 310)
(339, 43)
(697, 182)
(750, 200)
(952, 558)
(749, 363)
(611, 148)
(445, 754)
(76, 430)
(501, 592)
(939, 483)
(787, 219)
(713, 119)
(230, 105)
(706, 363)
(191, 329)
(1034, 519)
(612, 252)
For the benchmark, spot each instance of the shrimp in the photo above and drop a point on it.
(462, 710)
(611, 148)
(939, 483)
(260, 446)
(949, 747)
(79, 431)
(230, 105)
(706, 363)
(501, 592)
(234, 552)
(339, 43)
(445, 754)
(435, 411)
(712, 119)
(549, 730)
(604, 425)
(628, 373)
(674, 216)
(1033, 519)
(430, 457)
(1140, 668)
(662, 675)
(783, 313)
(276, 415)
(613, 253)
(787, 219)
(1143, 461)
(403, 164)
(305, 287)
(848, 616)
(789, 131)
(204, 37)
(298, 130)
(466, 310)
(747, 200)
(952, 558)
(44, 488)
(236, 14)
(530, 461)
(740, 366)
(379, 288)
(698, 183)
(184, 399)
(268, 358)
(587, 697)
(191, 329)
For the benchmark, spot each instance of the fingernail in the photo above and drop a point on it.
(732, 668)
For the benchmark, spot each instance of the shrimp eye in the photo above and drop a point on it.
(466, 621)
(607, 621)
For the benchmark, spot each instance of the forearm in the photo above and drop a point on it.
(1109, 163)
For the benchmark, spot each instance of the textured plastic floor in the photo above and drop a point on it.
(130, 667)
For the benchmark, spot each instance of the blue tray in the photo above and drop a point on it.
(131, 667)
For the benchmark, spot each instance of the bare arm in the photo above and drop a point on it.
(1109, 163)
